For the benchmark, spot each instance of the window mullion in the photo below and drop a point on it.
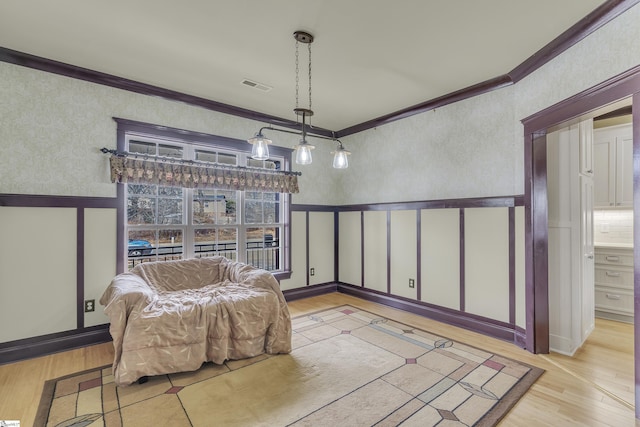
(189, 229)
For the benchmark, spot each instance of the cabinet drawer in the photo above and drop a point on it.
(614, 258)
(614, 300)
(618, 277)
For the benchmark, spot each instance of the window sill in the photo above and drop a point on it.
(282, 275)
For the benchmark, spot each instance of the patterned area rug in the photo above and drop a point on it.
(349, 367)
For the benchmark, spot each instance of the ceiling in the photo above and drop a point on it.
(370, 58)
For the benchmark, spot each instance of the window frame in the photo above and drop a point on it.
(127, 129)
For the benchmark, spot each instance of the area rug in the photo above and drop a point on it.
(349, 367)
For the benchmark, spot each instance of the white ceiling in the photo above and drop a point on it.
(370, 57)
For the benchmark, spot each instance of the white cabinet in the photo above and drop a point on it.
(586, 147)
(570, 249)
(613, 167)
(614, 283)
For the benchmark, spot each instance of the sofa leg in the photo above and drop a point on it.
(143, 380)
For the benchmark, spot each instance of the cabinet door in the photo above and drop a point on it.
(586, 147)
(587, 264)
(604, 186)
(624, 170)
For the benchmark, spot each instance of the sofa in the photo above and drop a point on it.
(173, 316)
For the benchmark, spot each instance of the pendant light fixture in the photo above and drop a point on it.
(340, 157)
(260, 149)
(260, 144)
(303, 149)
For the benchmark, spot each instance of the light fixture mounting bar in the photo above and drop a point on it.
(297, 133)
(303, 112)
(303, 37)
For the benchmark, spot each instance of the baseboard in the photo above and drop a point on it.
(468, 321)
(614, 316)
(520, 337)
(309, 291)
(561, 345)
(29, 348)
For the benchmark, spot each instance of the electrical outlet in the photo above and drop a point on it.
(412, 283)
(89, 305)
(312, 272)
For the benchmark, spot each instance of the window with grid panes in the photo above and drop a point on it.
(169, 223)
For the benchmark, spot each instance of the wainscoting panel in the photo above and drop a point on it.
(486, 244)
(298, 277)
(37, 271)
(404, 253)
(100, 233)
(440, 257)
(521, 318)
(375, 250)
(321, 247)
(350, 248)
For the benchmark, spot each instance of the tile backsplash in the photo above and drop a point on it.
(613, 226)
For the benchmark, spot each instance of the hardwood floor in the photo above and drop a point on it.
(593, 388)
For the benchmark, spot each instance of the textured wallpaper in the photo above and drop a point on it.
(53, 126)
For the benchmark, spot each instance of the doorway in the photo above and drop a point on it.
(590, 241)
(619, 87)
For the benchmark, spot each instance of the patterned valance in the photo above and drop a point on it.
(129, 168)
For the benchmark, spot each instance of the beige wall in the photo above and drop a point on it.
(404, 253)
(441, 257)
(298, 277)
(37, 271)
(375, 250)
(486, 239)
(100, 234)
(350, 252)
(321, 247)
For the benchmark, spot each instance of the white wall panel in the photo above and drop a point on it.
(37, 271)
(486, 241)
(521, 313)
(375, 250)
(404, 253)
(440, 257)
(298, 277)
(321, 247)
(350, 248)
(100, 232)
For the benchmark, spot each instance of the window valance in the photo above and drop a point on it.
(144, 169)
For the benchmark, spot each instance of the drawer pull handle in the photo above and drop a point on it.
(612, 274)
(613, 258)
(613, 296)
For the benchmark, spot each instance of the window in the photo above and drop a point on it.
(169, 223)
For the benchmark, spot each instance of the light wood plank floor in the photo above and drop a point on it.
(594, 388)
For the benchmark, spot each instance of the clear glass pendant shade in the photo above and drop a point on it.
(260, 147)
(303, 153)
(341, 159)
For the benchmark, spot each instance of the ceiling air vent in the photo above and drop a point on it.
(256, 85)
